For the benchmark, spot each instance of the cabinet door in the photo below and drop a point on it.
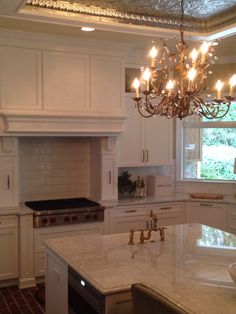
(107, 84)
(8, 181)
(56, 286)
(210, 214)
(109, 177)
(65, 81)
(125, 218)
(9, 255)
(21, 78)
(130, 152)
(157, 140)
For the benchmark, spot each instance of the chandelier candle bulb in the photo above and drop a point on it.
(232, 83)
(136, 85)
(194, 55)
(146, 77)
(219, 86)
(204, 48)
(153, 53)
(191, 76)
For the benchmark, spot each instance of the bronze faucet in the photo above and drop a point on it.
(131, 237)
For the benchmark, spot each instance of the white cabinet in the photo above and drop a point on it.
(8, 181)
(167, 213)
(107, 84)
(8, 172)
(145, 142)
(21, 78)
(8, 247)
(206, 213)
(122, 219)
(104, 173)
(65, 81)
(231, 217)
(42, 234)
(56, 285)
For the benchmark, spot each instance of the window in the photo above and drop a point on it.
(207, 149)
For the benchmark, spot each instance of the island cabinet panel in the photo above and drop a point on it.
(145, 142)
(167, 213)
(122, 219)
(119, 303)
(56, 285)
(8, 247)
(21, 78)
(65, 81)
(207, 213)
(107, 84)
(43, 234)
(231, 219)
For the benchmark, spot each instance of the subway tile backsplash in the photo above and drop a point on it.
(54, 167)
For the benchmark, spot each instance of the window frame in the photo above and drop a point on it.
(180, 126)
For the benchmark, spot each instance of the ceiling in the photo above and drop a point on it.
(136, 22)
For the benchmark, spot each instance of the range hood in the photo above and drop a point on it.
(22, 124)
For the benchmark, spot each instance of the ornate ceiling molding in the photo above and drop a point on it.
(200, 15)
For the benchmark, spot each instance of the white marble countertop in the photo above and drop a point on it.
(190, 267)
(175, 197)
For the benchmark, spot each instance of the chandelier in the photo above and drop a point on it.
(173, 84)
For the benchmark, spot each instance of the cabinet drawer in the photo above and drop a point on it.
(129, 211)
(8, 221)
(166, 207)
(206, 205)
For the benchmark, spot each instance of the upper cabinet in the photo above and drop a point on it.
(107, 84)
(65, 81)
(20, 78)
(145, 141)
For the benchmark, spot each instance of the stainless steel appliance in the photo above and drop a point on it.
(65, 211)
(83, 298)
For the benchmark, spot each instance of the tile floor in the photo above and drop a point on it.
(16, 301)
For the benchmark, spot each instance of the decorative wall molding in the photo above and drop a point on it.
(69, 125)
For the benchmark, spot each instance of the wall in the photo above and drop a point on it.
(54, 167)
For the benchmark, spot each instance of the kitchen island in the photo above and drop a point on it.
(189, 268)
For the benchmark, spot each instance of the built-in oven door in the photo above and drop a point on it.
(83, 298)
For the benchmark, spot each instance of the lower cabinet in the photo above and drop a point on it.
(8, 247)
(211, 214)
(122, 219)
(231, 219)
(56, 285)
(42, 234)
(168, 213)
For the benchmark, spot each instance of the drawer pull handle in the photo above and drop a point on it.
(147, 157)
(206, 204)
(109, 177)
(143, 158)
(8, 182)
(131, 211)
(166, 207)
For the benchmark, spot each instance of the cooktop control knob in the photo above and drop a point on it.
(67, 218)
(74, 218)
(88, 216)
(44, 220)
(95, 216)
(53, 219)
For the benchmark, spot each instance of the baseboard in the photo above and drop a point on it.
(26, 282)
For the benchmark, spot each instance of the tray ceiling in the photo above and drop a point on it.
(200, 15)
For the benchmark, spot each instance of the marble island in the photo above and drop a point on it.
(190, 268)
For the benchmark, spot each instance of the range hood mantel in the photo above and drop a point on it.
(21, 124)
